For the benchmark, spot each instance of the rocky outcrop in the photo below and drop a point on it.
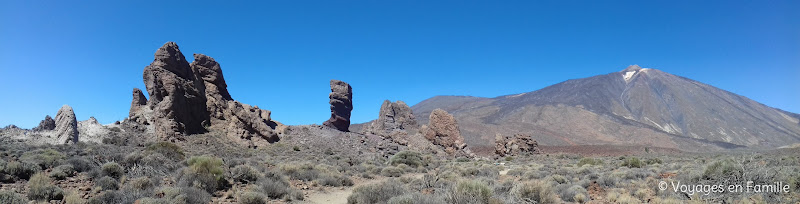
(138, 102)
(516, 145)
(179, 107)
(395, 121)
(47, 124)
(193, 98)
(246, 122)
(392, 117)
(66, 131)
(442, 130)
(341, 105)
(213, 84)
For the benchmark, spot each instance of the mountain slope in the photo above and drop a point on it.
(635, 106)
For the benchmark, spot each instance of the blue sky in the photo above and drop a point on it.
(280, 55)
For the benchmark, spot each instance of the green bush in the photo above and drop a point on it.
(245, 174)
(304, 172)
(535, 191)
(653, 161)
(41, 189)
(22, 170)
(45, 158)
(141, 184)
(107, 183)
(470, 192)
(589, 161)
(80, 164)
(8, 197)
(251, 198)
(720, 168)
(62, 171)
(168, 149)
(187, 195)
(376, 193)
(113, 170)
(204, 172)
(632, 162)
(410, 158)
(334, 180)
(391, 171)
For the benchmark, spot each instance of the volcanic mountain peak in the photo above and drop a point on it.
(636, 106)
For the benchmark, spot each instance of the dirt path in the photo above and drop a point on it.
(339, 195)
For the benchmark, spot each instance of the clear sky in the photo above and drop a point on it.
(280, 55)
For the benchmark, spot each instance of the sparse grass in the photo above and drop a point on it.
(250, 197)
(590, 161)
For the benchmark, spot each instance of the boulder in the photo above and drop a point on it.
(516, 145)
(179, 107)
(442, 130)
(66, 131)
(47, 124)
(341, 105)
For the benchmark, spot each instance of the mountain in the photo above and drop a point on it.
(636, 106)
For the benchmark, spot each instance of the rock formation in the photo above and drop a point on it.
(442, 130)
(47, 124)
(192, 98)
(516, 145)
(179, 107)
(213, 84)
(392, 117)
(138, 102)
(395, 121)
(246, 122)
(66, 131)
(341, 105)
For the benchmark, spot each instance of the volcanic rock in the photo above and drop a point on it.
(66, 126)
(517, 145)
(341, 105)
(392, 117)
(213, 84)
(47, 124)
(247, 122)
(179, 107)
(442, 130)
(138, 102)
(193, 98)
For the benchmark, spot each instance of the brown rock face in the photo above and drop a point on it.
(516, 145)
(66, 126)
(138, 101)
(213, 84)
(47, 124)
(178, 105)
(246, 122)
(188, 98)
(442, 130)
(392, 117)
(341, 105)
